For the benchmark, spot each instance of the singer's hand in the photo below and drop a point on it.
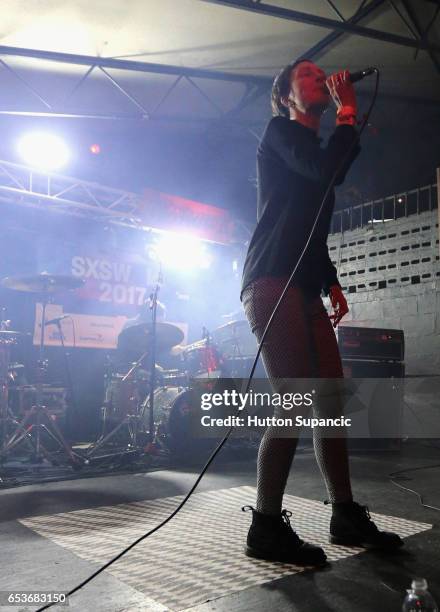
(341, 89)
(339, 303)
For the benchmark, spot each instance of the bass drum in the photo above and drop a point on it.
(181, 439)
(163, 400)
(172, 419)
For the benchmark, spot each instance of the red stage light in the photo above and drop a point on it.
(95, 149)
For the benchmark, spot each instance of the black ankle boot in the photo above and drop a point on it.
(272, 538)
(351, 525)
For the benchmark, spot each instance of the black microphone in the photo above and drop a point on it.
(353, 77)
(56, 320)
(361, 74)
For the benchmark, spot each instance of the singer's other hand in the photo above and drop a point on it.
(339, 303)
(341, 89)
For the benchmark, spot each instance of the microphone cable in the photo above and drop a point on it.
(269, 323)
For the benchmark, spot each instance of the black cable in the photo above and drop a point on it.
(254, 365)
(392, 476)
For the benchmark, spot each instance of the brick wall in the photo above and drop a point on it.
(390, 274)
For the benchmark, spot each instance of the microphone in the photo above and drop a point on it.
(56, 320)
(354, 77)
(361, 74)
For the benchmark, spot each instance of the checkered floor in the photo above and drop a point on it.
(198, 556)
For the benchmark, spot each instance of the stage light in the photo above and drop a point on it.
(43, 150)
(95, 149)
(182, 252)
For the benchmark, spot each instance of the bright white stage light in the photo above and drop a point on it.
(182, 252)
(43, 150)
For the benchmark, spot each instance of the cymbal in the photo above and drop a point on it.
(178, 349)
(232, 325)
(233, 314)
(9, 333)
(138, 337)
(42, 283)
(235, 339)
(198, 344)
(7, 336)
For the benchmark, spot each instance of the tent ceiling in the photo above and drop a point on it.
(196, 34)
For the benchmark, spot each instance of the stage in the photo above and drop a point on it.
(53, 535)
(215, 214)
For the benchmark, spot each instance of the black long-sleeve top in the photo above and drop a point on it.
(293, 173)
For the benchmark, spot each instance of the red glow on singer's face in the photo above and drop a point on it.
(308, 86)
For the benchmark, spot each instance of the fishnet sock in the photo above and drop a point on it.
(300, 344)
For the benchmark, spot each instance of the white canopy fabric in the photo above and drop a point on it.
(182, 36)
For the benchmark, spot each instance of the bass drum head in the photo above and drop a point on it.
(181, 440)
(163, 400)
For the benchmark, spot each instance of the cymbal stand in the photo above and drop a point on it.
(7, 419)
(44, 421)
(130, 420)
(5, 415)
(73, 405)
(153, 307)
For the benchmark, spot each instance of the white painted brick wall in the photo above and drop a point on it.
(396, 254)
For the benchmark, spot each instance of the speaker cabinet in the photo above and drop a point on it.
(382, 416)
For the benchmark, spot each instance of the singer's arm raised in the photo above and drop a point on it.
(305, 156)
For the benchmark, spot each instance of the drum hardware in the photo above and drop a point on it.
(236, 340)
(202, 359)
(163, 399)
(131, 422)
(173, 433)
(46, 284)
(147, 339)
(130, 419)
(17, 375)
(154, 346)
(8, 338)
(73, 404)
(22, 398)
(174, 378)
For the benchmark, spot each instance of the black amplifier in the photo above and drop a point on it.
(371, 343)
(384, 410)
(363, 368)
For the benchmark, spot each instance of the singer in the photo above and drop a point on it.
(293, 172)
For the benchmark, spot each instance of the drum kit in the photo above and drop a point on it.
(160, 413)
(146, 409)
(28, 428)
